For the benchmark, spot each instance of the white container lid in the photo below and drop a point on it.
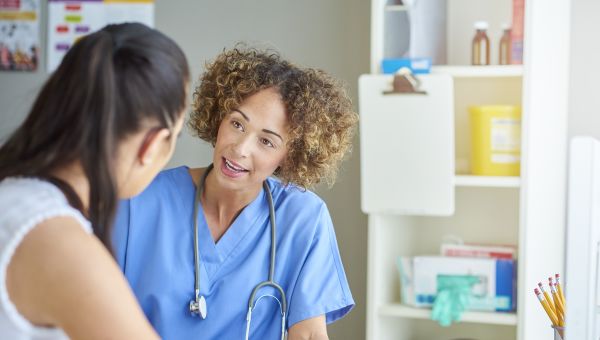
(481, 25)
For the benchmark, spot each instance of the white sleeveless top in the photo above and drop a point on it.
(24, 203)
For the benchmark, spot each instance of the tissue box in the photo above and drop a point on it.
(495, 290)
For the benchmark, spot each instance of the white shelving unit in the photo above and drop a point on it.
(495, 71)
(402, 311)
(487, 181)
(395, 8)
(528, 211)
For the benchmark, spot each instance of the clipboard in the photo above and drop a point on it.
(407, 146)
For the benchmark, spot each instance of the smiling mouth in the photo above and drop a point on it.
(233, 167)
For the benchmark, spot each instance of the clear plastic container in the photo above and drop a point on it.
(480, 50)
(559, 332)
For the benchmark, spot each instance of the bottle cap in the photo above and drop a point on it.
(505, 26)
(481, 25)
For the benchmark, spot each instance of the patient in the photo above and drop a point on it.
(102, 126)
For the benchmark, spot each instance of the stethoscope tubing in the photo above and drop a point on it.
(195, 216)
(270, 282)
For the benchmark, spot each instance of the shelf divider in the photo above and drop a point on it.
(397, 8)
(487, 181)
(492, 318)
(488, 71)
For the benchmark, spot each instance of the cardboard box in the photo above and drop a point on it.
(517, 32)
(495, 290)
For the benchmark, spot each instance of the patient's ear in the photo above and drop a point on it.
(153, 145)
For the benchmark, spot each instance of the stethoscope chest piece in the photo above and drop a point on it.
(198, 307)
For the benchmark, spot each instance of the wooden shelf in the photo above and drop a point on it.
(487, 181)
(492, 318)
(490, 71)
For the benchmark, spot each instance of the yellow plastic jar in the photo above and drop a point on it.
(495, 140)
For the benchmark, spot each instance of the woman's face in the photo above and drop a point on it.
(251, 142)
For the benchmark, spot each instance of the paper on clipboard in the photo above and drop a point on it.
(407, 147)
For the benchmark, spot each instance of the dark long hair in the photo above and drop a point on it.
(107, 85)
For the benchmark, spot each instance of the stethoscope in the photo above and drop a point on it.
(198, 306)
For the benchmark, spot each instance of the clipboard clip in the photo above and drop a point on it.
(405, 83)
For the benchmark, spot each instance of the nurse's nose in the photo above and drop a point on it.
(243, 146)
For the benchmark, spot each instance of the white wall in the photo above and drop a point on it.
(584, 93)
(332, 35)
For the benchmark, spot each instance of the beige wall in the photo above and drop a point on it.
(329, 34)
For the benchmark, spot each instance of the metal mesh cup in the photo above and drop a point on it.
(559, 332)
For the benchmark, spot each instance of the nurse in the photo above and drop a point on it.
(276, 130)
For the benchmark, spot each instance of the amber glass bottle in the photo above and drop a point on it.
(504, 48)
(480, 51)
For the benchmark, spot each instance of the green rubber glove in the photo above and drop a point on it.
(452, 298)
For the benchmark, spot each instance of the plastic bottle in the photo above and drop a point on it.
(504, 50)
(480, 51)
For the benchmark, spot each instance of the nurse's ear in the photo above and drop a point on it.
(153, 146)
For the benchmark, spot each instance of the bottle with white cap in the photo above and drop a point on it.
(480, 51)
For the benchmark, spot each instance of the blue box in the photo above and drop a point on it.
(416, 65)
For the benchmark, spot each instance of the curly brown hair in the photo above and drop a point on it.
(321, 120)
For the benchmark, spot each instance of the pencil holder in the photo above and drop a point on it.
(559, 332)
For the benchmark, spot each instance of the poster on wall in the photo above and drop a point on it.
(19, 35)
(69, 20)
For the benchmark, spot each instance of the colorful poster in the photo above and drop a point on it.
(19, 35)
(69, 20)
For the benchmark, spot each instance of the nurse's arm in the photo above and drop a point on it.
(309, 329)
(62, 276)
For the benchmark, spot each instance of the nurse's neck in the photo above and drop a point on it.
(222, 206)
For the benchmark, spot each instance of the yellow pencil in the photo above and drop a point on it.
(547, 298)
(547, 308)
(560, 308)
(554, 291)
(560, 291)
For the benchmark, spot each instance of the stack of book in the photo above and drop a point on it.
(478, 250)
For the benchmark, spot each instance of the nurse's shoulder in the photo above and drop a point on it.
(296, 200)
(167, 182)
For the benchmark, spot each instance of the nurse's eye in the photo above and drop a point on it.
(267, 142)
(237, 125)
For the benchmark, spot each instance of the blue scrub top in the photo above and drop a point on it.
(153, 243)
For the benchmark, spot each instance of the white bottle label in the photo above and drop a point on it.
(505, 134)
(504, 158)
